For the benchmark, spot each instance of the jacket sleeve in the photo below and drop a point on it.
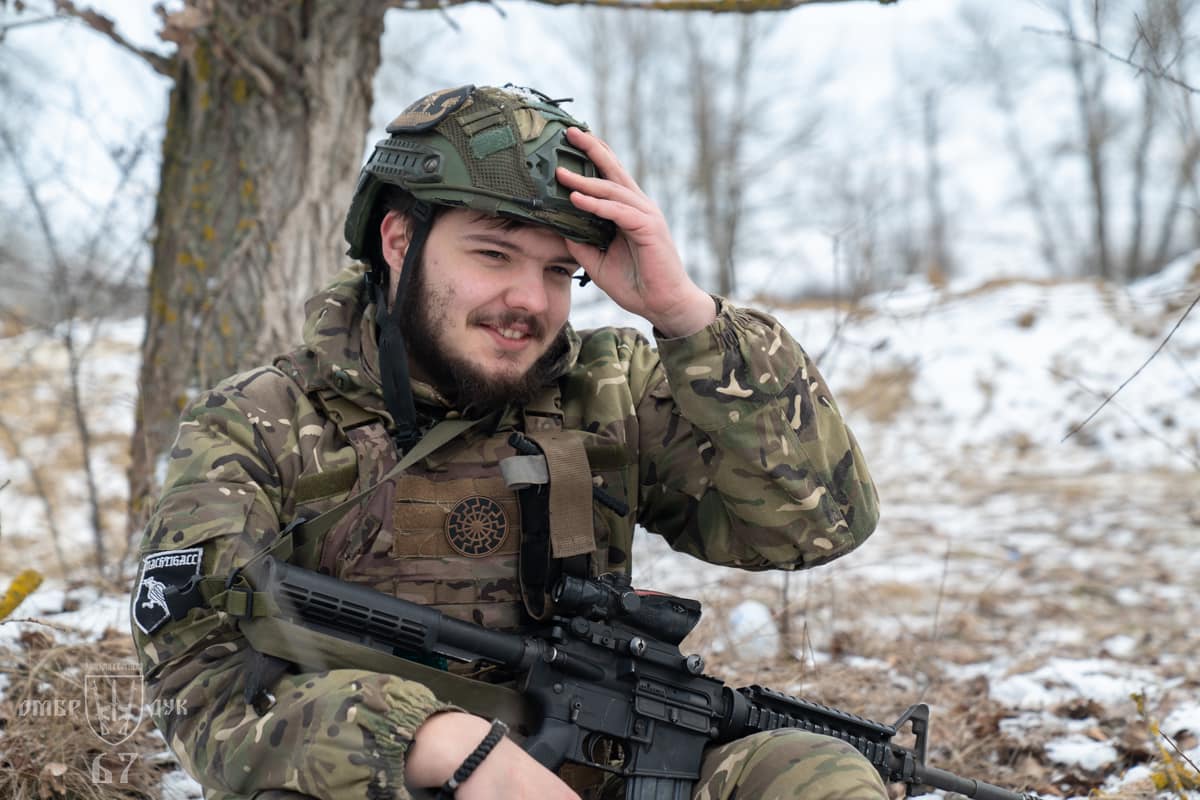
(336, 734)
(744, 456)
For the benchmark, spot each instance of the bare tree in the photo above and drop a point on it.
(1136, 176)
(71, 317)
(1161, 42)
(1089, 76)
(265, 131)
(720, 94)
(940, 260)
(1165, 29)
(994, 66)
(41, 487)
(640, 98)
(861, 204)
(700, 128)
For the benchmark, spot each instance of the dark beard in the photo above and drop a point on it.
(471, 392)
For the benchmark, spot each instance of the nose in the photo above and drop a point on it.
(527, 291)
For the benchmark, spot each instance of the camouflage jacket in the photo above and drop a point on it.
(727, 443)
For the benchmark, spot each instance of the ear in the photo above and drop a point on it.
(395, 232)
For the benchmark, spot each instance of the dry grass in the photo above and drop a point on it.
(882, 396)
(1004, 283)
(50, 750)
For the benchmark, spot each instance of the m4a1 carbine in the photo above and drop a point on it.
(607, 683)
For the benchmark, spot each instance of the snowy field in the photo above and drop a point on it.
(1039, 591)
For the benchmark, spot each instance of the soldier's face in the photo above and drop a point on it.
(488, 305)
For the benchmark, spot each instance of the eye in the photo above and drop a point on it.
(492, 255)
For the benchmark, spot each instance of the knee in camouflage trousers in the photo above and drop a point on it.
(788, 764)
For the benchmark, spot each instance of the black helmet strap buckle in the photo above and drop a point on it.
(393, 355)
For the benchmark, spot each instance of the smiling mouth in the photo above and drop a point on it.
(511, 333)
(511, 339)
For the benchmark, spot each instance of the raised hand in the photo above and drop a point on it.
(641, 270)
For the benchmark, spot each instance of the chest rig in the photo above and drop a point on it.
(479, 529)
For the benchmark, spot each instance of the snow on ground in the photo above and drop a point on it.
(1057, 573)
(1060, 566)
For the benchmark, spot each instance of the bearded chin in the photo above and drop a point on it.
(472, 392)
(476, 394)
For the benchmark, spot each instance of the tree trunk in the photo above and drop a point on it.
(264, 137)
(1135, 265)
(1089, 96)
(939, 261)
(720, 95)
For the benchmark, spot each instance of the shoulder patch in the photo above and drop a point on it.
(168, 569)
(430, 110)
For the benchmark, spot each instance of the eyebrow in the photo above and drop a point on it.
(500, 241)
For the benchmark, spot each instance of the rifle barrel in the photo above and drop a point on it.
(968, 787)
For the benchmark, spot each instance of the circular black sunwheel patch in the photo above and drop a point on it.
(476, 527)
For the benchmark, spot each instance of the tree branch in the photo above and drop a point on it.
(25, 23)
(105, 26)
(1136, 372)
(1156, 72)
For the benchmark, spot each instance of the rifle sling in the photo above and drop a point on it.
(318, 651)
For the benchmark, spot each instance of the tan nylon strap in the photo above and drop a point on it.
(238, 599)
(319, 651)
(324, 484)
(571, 531)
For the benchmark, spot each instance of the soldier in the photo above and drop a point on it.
(471, 221)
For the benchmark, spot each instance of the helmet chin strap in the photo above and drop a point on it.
(393, 356)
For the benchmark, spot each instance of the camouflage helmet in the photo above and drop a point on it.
(487, 149)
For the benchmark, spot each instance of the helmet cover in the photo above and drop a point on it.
(487, 149)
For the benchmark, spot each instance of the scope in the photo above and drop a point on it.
(611, 598)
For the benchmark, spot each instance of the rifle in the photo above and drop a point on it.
(608, 682)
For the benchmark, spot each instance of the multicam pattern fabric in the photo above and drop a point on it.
(727, 443)
(788, 764)
(775, 765)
